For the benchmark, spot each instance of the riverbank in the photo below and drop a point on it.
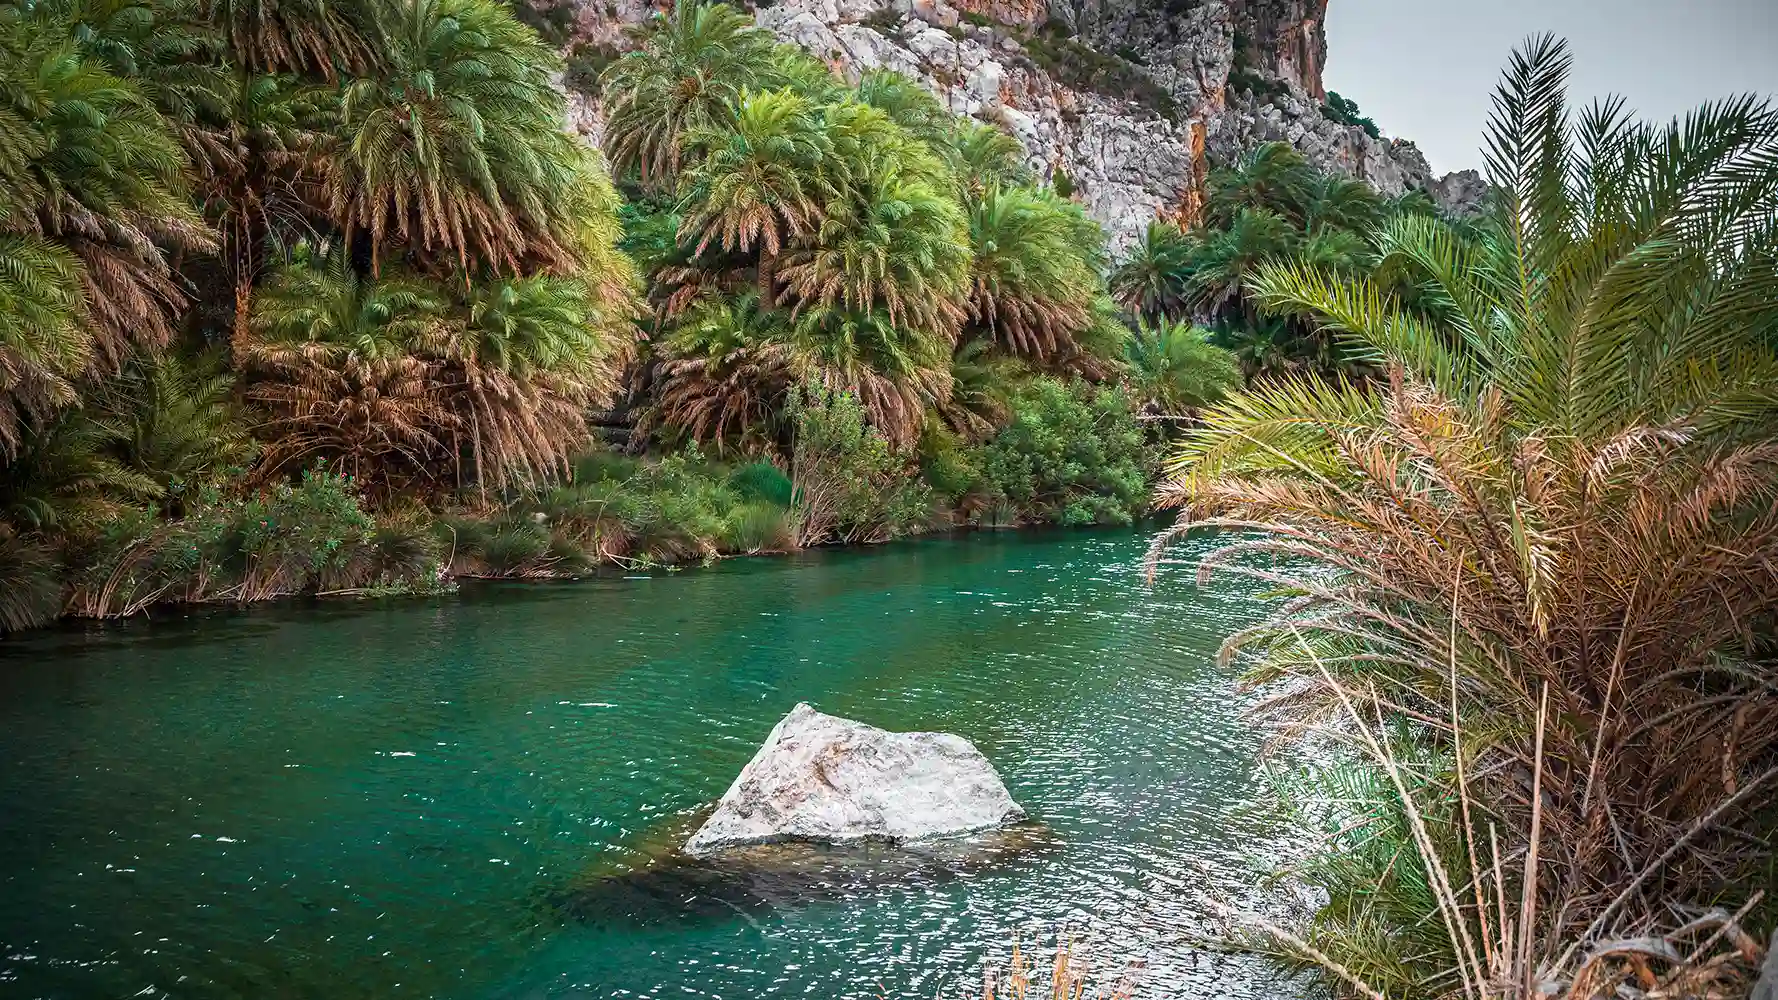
(1076, 455)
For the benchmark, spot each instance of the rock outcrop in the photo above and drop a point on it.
(1135, 100)
(823, 779)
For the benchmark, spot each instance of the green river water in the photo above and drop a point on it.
(429, 798)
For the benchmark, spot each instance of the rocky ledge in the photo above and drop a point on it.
(823, 779)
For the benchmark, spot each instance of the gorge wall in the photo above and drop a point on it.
(1135, 100)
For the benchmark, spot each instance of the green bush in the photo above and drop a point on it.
(764, 482)
(850, 485)
(308, 537)
(1346, 112)
(1081, 67)
(1074, 454)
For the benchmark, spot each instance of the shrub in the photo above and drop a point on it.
(1346, 112)
(764, 482)
(760, 526)
(1073, 454)
(850, 485)
(310, 537)
(1081, 67)
(30, 592)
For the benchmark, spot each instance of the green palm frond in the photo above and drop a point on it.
(1035, 276)
(1176, 369)
(1154, 280)
(455, 147)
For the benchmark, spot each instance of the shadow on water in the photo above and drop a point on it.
(673, 887)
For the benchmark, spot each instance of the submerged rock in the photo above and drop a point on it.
(823, 779)
(673, 887)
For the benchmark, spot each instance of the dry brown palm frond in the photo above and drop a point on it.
(730, 401)
(1032, 326)
(385, 422)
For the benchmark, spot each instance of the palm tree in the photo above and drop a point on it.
(1225, 261)
(326, 37)
(335, 363)
(1343, 203)
(255, 176)
(176, 421)
(30, 584)
(1550, 530)
(455, 148)
(1155, 280)
(1036, 270)
(761, 184)
(530, 358)
(896, 371)
(1272, 177)
(1176, 369)
(92, 195)
(984, 156)
(910, 105)
(724, 373)
(689, 73)
(892, 245)
(984, 381)
(43, 341)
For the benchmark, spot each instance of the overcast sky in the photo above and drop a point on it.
(1425, 69)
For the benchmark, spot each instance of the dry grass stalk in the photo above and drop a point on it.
(1068, 978)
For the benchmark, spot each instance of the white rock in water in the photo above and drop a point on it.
(831, 780)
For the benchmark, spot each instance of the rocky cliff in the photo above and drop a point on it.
(1135, 100)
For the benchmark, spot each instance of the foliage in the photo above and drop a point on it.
(1036, 270)
(1154, 281)
(1176, 369)
(379, 254)
(455, 148)
(30, 582)
(1544, 547)
(679, 507)
(309, 537)
(1073, 454)
(1270, 206)
(175, 420)
(850, 485)
(390, 379)
(92, 198)
(1345, 111)
(1084, 68)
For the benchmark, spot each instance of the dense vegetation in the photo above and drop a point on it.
(1272, 205)
(316, 298)
(1531, 565)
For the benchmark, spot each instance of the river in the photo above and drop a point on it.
(421, 798)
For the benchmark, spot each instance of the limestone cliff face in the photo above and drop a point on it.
(1135, 99)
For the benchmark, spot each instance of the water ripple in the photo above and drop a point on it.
(440, 799)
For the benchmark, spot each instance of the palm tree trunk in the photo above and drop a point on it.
(237, 344)
(768, 279)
